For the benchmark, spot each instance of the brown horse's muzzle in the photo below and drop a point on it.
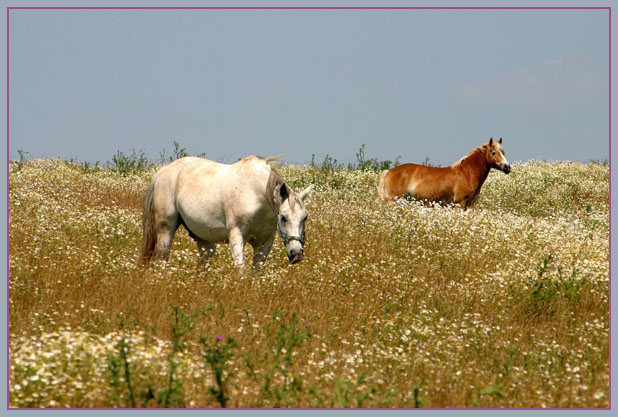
(506, 168)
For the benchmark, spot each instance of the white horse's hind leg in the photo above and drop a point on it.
(164, 243)
(206, 250)
(165, 233)
(237, 245)
(261, 250)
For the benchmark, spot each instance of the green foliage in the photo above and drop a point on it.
(177, 153)
(120, 370)
(334, 174)
(545, 291)
(216, 356)
(87, 168)
(280, 388)
(427, 163)
(22, 159)
(329, 164)
(326, 172)
(373, 164)
(418, 400)
(171, 396)
(129, 164)
(542, 291)
(496, 390)
(126, 392)
(345, 388)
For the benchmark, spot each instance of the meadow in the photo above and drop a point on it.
(403, 305)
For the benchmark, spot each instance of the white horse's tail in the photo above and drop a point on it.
(149, 239)
(382, 192)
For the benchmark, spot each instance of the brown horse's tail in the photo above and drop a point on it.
(382, 192)
(149, 239)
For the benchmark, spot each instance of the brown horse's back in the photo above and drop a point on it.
(417, 181)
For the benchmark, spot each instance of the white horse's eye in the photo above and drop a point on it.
(283, 219)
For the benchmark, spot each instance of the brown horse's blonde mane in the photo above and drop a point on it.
(478, 149)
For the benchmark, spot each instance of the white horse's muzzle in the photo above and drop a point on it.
(294, 245)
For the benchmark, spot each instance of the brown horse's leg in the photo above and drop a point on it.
(461, 200)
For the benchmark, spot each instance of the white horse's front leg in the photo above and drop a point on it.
(261, 251)
(237, 245)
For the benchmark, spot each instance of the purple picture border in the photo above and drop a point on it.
(9, 8)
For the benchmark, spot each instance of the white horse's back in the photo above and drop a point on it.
(210, 194)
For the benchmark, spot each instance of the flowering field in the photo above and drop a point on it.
(503, 305)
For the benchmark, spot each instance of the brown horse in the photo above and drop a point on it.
(458, 184)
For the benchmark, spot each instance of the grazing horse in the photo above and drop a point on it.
(457, 184)
(246, 202)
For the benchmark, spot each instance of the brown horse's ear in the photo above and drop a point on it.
(491, 141)
(500, 141)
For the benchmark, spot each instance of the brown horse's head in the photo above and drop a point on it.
(495, 156)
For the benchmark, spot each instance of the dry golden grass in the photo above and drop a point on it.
(504, 305)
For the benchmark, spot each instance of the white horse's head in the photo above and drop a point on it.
(291, 220)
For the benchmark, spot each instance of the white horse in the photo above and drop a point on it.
(239, 203)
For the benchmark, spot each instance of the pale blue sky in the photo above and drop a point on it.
(409, 83)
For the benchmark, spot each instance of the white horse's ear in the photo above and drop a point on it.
(304, 193)
(500, 141)
(281, 193)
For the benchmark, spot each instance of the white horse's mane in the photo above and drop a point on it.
(274, 179)
(273, 161)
